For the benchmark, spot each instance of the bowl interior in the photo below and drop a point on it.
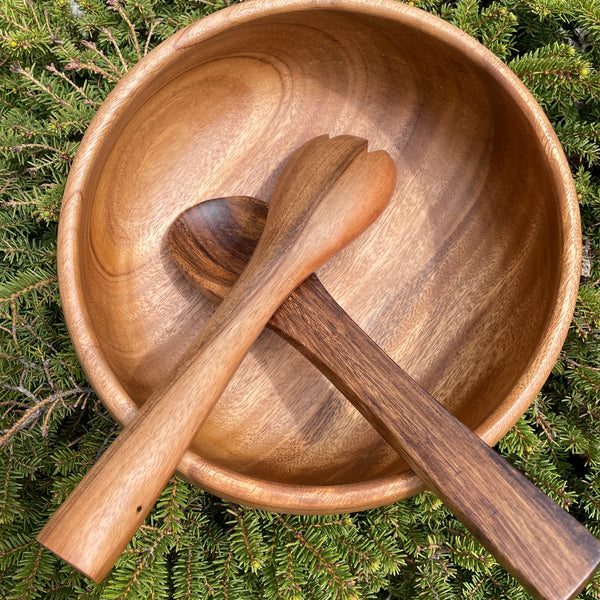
(457, 281)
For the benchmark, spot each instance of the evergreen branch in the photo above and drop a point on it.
(540, 419)
(21, 147)
(290, 572)
(107, 439)
(499, 32)
(15, 23)
(80, 123)
(170, 518)
(242, 525)
(12, 332)
(381, 548)
(30, 581)
(560, 71)
(92, 46)
(27, 466)
(33, 414)
(475, 589)
(363, 557)
(588, 379)
(488, 17)
(500, 588)
(188, 574)
(20, 548)
(33, 12)
(39, 167)
(30, 288)
(278, 574)
(21, 390)
(47, 20)
(472, 555)
(46, 420)
(16, 68)
(154, 25)
(5, 493)
(76, 64)
(13, 318)
(321, 561)
(41, 342)
(111, 39)
(590, 12)
(80, 90)
(594, 586)
(393, 524)
(332, 523)
(558, 489)
(6, 185)
(573, 363)
(116, 5)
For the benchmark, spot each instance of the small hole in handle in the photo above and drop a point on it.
(139, 509)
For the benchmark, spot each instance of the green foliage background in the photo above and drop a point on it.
(58, 61)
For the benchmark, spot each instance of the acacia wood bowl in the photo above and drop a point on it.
(468, 280)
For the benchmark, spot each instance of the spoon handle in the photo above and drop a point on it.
(539, 543)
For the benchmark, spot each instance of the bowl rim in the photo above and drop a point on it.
(278, 496)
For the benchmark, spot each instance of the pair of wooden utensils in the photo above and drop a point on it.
(329, 191)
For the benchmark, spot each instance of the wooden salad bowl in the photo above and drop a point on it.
(468, 280)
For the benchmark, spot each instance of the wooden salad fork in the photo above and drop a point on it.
(330, 191)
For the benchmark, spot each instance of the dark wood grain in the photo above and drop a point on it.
(329, 192)
(545, 548)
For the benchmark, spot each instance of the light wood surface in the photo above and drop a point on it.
(329, 192)
(545, 548)
(468, 279)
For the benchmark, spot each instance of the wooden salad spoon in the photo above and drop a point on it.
(546, 549)
(328, 192)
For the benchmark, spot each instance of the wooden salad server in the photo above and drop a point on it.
(329, 192)
(538, 542)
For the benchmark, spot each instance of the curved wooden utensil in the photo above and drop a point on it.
(329, 191)
(546, 549)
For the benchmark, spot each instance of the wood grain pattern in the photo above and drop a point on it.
(468, 279)
(329, 192)
(545, 548)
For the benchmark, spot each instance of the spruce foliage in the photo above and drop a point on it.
(58, 61)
